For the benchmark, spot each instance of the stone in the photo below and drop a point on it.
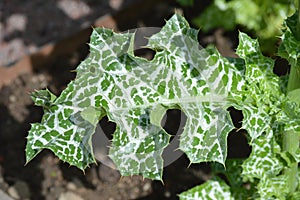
(69, 196)
(12, 191)
(71, 186)
(4, 196)
(22, 189)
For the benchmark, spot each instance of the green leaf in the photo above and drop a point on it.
(209, 190)
(270, 187)
(215, 15)
(70, 120)
(293, 22)
(43, 98)
(290, 50)
(290, 46)
(295, 96)
(135, 94)
(263, 159)
(206, 88)
(264, 17)
(295, 196)
(262, 92)
(233, 173)
(264, 165)
(250, 16)
(66, 131)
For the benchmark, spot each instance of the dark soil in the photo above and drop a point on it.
(26, 26)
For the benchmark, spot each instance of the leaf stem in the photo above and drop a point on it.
(291, 144)
(291, 138)
(298, 22)
(294, 77)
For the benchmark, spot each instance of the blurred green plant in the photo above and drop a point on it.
(263, 18)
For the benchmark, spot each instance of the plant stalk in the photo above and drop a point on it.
(291, 138)
(294, 77)
(298, 22)
(291, 144)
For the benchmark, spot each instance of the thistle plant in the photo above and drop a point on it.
(135, 93)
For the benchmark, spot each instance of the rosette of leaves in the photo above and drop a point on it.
(135, 93)
(271, 111)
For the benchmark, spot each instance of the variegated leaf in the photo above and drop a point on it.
(210, 190)
(135, 93)
(263, 159)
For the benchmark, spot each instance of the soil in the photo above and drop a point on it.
(25, 27)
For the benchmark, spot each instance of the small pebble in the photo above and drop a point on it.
(71, 186)
(4, 196)
(17, 22)
(69, 196)
(22, 189)
(116, 4)
(12, 98)
(167, 194)
(12, 191)
(147, 187)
